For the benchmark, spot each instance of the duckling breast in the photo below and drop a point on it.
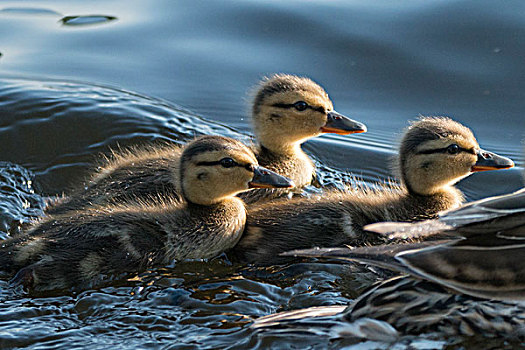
(214, 231)
(296, 166)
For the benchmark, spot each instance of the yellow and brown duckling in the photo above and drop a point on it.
(434, 154)
(287, 110)
(85, 247)
(469, 284)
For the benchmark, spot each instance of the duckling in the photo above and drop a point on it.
(83, 248)
(434, 154)
(287, 110)
(469, 284)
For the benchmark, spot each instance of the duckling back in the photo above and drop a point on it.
(138, 172)
(334, 220)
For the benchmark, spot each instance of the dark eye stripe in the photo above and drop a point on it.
(248, 166)
(445, 150)
(284, 105)
(209, 163)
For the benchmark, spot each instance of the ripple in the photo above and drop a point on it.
(19, 203)
(58, 128)
(29, 11)
(86, 20)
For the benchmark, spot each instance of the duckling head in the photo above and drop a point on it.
(213, 168)
(287, 110)
(437, 152)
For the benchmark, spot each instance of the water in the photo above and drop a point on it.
(77, 79)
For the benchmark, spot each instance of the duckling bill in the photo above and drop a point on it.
(491, 161)
(434, 154)
(87, 247)
(339, 124)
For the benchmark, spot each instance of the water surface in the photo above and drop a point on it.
(77, 79)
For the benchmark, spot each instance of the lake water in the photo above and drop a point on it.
(77, 78)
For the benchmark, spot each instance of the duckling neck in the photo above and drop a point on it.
(447, 197)
(283, 149)
(292, 163)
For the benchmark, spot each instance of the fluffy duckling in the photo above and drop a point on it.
(434, 154)
(85, 247)
(287, 110)
(472, 283)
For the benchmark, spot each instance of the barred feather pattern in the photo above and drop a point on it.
(414, 306)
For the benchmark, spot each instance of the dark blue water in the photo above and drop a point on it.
(78, 78)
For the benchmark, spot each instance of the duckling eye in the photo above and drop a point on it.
(227, 162)
(300, 105)
(453, 149)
